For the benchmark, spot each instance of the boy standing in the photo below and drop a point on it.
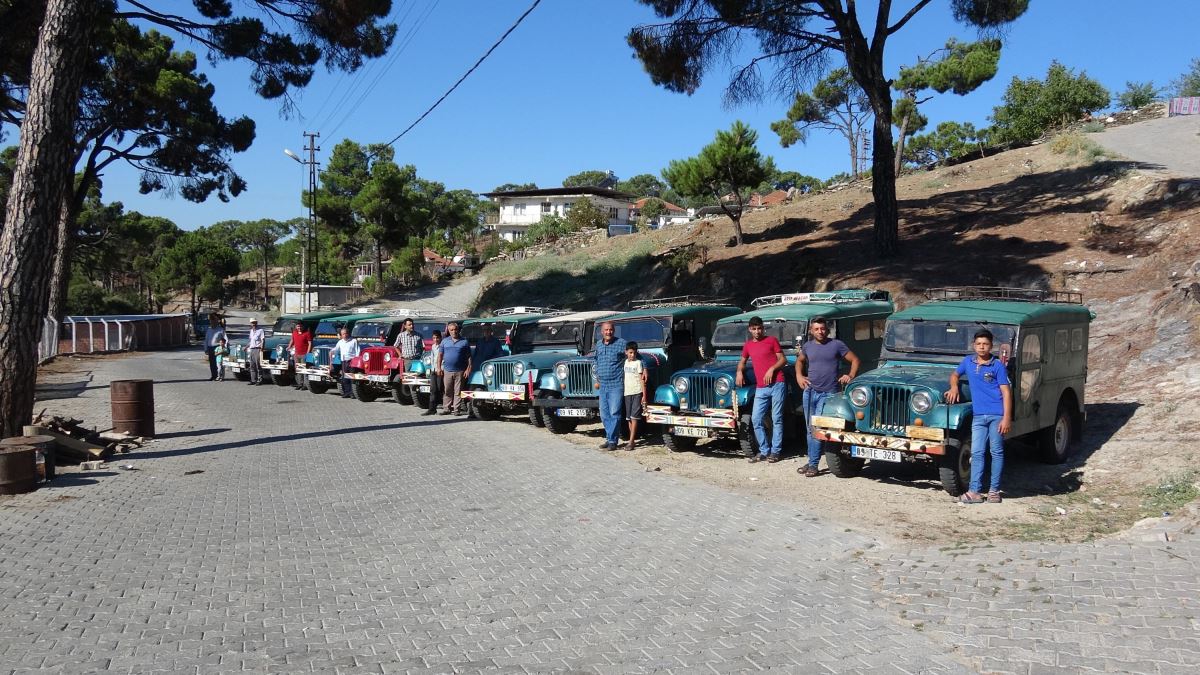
(991, 405)
(221, 351)
(635, 390)
(766, 356)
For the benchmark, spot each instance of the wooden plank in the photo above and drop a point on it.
(69, 446)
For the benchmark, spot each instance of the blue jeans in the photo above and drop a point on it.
(985, 440)
(813, 402)
(612, 410)
(772, 396)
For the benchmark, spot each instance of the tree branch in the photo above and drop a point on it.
(904, 19)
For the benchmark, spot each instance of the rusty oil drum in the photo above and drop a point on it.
(18, 470)
(44, 452)
(133, 406)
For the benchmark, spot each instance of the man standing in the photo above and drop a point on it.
(299, 346)
(488, 347)
(255, 346)
(212, 339)
(816, 373)
(766, 356)
(610, 371)
(991, 407)
(409, 343)
(345, 349)
(454, 367)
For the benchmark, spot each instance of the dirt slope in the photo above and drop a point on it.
(1121, 231)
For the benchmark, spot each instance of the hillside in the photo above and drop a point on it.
(1063, 215)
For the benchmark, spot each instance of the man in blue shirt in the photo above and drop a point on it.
(454, 367)
(488, 347)
(991, 407)
(610, 371)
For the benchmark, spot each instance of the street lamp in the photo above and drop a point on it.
(310, 229)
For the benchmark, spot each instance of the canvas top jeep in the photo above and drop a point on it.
(508, 382)
(672, 333)
(318, 361)
(279, 336)
(897, 413)
(378, 367)
(703, 401)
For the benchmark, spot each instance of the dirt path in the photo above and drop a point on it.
(1172, 143)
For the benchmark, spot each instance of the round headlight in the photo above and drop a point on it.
(560, 371)
(680, 384)
(489, 369)
(427, 359)
(387, 357)
(594, 375)
(860, 396)
(721, 387)
(518, 369)
(922, 402)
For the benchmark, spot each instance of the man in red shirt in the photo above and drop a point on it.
(299, 346)
(766, 356)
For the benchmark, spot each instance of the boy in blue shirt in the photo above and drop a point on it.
(991, 405)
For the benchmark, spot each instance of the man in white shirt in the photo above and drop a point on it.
(212, 340)
(345, 349)
(257, 337)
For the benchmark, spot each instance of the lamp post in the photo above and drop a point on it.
(309, 250)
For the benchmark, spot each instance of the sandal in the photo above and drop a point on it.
(994, 497)
(971, 498)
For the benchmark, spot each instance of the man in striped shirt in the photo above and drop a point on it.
(410, 343)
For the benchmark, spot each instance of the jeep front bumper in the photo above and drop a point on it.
(494, 395)
(918, 440)
(709, 418)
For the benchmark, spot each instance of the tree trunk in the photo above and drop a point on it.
(378, 267)
(853, 138)
(266, 282)
(900, 144)
(883, 186)
(40, 180)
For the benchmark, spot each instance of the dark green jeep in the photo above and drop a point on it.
(897, 413)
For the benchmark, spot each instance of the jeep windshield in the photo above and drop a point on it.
(371, 331)
(283, 325)
(647, 332)
(474, 331)
(326, 331)
(942, 341)
(553, 335)
(425, 328)
(734, 334)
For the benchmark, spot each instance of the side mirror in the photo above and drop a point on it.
(705, 349)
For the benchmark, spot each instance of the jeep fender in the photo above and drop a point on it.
(476, 379)
(665, 394)
(837, 405)
(547, 381)
(958, 417)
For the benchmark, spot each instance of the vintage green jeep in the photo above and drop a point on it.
(703, 401)
(672, 334)
(318, 366)
(897, 413)
(507, 384)
(239, 352)
(275, 358)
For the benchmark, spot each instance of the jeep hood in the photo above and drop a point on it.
(934, 376)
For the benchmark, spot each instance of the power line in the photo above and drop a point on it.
(468, 73)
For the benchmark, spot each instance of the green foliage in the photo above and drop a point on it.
(961, 68)
(591, 177)
(550, 228)
(643, 185)
(652, 209)
(837, 103)
(408, 261)
(728, 166)
(491, 249)
(584, 214)
(198, 262)
(1077, 145)
(1092, 127)
(1138, 94)
(1172, 493)
(85, 298)
(369, 285)
(784, 179)
(8, 161)
(513, 187)
(1032, 107)
(1188, 84)
(950, 140)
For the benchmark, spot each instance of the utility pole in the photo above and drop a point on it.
(309, 249)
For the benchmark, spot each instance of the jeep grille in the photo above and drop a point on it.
(889, 408)
(579, 379)
(504, 373)
(373, 360)
(700, 393)
(321, 356)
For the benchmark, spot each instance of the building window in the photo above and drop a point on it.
(613, 213)
(567, 207)
(519, 209)
(546, 207)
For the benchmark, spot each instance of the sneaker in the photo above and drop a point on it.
(758, 458)
(808, 471)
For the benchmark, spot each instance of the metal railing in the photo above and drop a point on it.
(822, 297)
(1003, 293)
(48, 341)
(676, 301)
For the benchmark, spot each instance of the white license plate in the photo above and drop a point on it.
(377, 378)
(690, 432)
(315, 378)
(572, 412)
(424, 389)
(875, 453)
(516, 388)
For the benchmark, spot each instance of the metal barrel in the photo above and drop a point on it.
(133, 406)
(45, 452)
(18, 470)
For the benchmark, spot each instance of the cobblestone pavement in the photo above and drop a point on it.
(272, 530)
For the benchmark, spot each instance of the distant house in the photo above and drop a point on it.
(521, 208)
(674, 214)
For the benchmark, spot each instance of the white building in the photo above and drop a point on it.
(673, 215)
(521, 208)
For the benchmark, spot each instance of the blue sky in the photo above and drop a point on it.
(564, 94)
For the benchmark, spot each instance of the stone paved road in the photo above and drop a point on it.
(1172, 143)
(333, 536)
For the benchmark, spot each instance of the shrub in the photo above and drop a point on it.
(1092, 127)
(1075, 145)
(368, 285)
(1137, 95)
(549, 228)
(1188, 83)
(1032, 107)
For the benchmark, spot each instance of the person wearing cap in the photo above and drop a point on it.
(255, 345)
(213, 337)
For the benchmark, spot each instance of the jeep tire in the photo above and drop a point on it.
(678, 443)
(535, 416)
(399, 395)
(282, 379)
(242, 375)
(364, 392)
(1056, 442)
(954, 471)
(556, 424)
(840, 463)
(745, 435)
(319, 387)
(483, 411)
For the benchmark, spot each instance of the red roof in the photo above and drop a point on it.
(670, 207)
(432, 256)
(776, 197)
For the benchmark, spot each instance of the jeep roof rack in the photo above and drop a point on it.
(526, 309)
(1003, 293)
(415, 313)
(824, 297)
(676, 301)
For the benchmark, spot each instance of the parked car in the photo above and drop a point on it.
(502, 321)
(508, 384)
(703, 401)
(672, 334)
(378, 370)
(275, 357)
(319, 362)
(897, 413)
